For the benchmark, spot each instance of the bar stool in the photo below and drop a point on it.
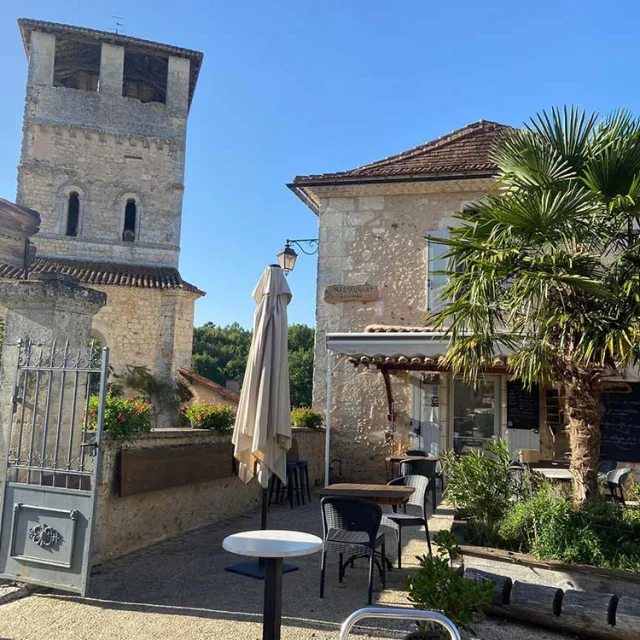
(293, 455)
(286, 490)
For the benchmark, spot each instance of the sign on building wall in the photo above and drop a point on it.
(335, 293)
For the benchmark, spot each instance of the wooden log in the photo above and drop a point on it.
(627, 617)
(502, 584)
(585, 608)
(536, 600)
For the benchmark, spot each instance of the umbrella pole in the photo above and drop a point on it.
(257, 569)
(265, 507)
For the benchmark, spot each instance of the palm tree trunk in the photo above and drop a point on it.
(582, 409)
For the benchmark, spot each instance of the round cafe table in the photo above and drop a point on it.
(272, 546)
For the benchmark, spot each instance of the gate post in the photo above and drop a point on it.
(44, 308)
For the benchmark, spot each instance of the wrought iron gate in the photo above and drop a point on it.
(52, 465)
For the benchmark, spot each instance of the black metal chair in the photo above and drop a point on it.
(415, 452)
(416, 510)
(615, 482)
(427, 468)
(352, 526)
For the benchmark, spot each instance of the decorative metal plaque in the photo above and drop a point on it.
(44, 535)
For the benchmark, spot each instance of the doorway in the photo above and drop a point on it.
(475, 414)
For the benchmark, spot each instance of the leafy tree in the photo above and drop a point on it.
(301, 344)
(220, 354)
(549, 266)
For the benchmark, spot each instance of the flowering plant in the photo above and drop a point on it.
(123, 417)
(306, 417)
(219, 417)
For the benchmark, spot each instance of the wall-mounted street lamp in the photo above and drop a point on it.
(288, 256)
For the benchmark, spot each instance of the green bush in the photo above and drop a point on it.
(480, 487)
(123, 418)
(438, 586)
(218, 417)
(548, 526)
(306, 417)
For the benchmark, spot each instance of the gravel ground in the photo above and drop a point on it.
(179, 590)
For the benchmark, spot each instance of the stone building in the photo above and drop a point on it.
(376, 280)
(102, 161)
(196, 388)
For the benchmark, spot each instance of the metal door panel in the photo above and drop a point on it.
(51, 472)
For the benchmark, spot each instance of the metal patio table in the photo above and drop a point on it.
(272, 546)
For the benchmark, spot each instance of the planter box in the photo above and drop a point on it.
(157, 468)
(520, 566)
(592, 602)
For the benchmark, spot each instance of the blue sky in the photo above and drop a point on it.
(309, 87)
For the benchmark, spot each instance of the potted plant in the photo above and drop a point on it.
(306, 417)
(438, 586)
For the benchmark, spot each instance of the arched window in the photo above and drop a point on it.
(73, 213)
(130, 210)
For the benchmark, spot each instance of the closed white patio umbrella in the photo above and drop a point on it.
(262, 434)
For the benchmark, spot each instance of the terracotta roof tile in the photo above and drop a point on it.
(389, 328)
(107, 273)
(465, 150)
(193, 376)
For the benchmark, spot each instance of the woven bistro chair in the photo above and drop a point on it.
(416, 510)
(352, 526)
(428, 468)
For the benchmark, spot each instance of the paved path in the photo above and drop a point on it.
(179, 590)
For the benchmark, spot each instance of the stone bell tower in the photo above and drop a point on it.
(102, 161)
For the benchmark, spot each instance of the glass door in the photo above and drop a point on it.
(476, 419)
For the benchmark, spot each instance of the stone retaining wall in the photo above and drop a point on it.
(126, 524)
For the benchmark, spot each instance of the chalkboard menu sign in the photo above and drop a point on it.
(523, 406)
(621, 421)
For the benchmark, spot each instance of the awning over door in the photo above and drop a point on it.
(405, 347)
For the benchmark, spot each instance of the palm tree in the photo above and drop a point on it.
(548, 265)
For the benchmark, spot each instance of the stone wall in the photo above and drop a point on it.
(311, 449)
(147, 327)
(127, 524)
(377, 239)
(105, 169)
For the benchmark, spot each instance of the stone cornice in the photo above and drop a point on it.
(89, 133)
(93, 240)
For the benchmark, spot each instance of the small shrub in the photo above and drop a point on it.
(123, 417)
(306, 417)
(601, 533)
(218, 417)
(438, 586)
(480, 487)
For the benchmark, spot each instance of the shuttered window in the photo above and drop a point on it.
(436, 262)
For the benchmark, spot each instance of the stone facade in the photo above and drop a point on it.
(379, 239)
(156, 329)
(123, 159)
(378, 274)
(126, 524)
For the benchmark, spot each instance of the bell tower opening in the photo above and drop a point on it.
(73, 214)
(130, 212)
(76, 65)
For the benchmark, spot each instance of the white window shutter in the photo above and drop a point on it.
(436, 262)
